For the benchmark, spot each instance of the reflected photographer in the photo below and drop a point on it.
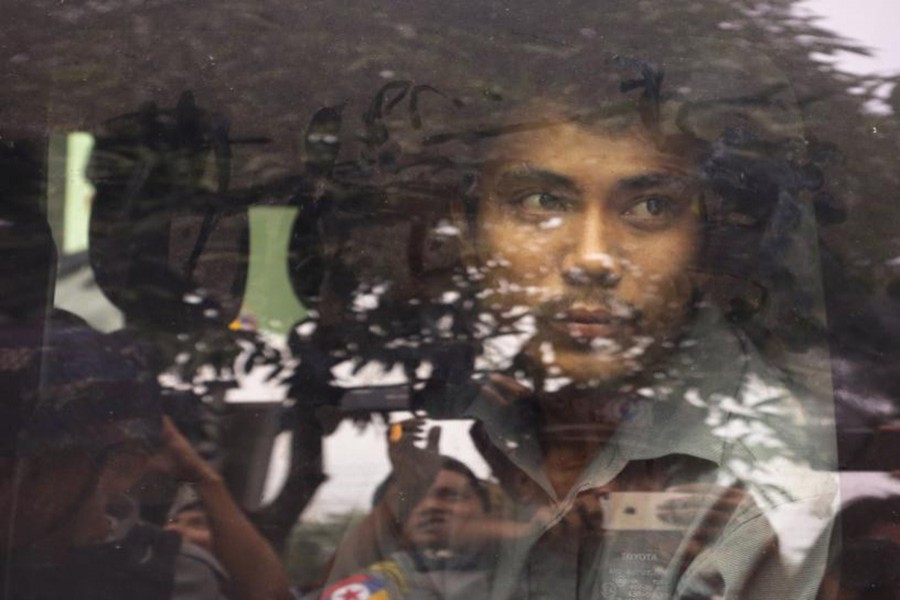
(442, 541)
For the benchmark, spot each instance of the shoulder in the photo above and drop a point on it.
(364, 586)
(754, 401)
(385, 580)
(198, 575)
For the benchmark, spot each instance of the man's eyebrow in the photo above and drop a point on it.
(653, 180)
(531, 174)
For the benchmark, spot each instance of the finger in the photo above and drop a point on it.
(712, 514)
(694, 502)
(687, 516)
(678, 516)
(703, 538)
(406, 432)
(412, 426)
(591, 518)
(727, 504)
(701, 504)
(434, 439)
(680, 502)
(706, 489)
(168, 428)
(693, 488)
(584, 517)
(172, 436)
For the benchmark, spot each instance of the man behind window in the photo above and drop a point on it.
(650, 450)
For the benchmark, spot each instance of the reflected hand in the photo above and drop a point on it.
(414, 468)
(504, 390)
(183, 461)
(403, 436)
(584, 518)
(586, 513)
(712, 505)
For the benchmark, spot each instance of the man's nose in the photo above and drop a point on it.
(432, 503)
(592, 258)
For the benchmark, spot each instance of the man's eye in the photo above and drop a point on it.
(543, 202)
(651, 208)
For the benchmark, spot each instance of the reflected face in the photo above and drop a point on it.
(594, 235)
(436, 521)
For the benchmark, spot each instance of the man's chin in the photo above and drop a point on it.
(429, 539)
(595, 368)
(601, 362)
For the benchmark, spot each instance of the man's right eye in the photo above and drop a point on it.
(542, 202)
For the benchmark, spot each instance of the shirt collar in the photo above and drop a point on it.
(666, 418)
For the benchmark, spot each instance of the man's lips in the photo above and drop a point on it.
(431, 523)
(587, 316)
(588, 322)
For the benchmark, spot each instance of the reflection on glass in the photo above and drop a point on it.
(643, 445)
(521, 303)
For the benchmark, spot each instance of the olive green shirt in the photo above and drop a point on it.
(719, 415)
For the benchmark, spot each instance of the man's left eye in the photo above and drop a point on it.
(543, 202)
(651, 207)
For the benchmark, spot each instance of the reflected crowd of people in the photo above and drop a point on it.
(90, 425)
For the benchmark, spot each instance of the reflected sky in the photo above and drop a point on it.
(855, 20)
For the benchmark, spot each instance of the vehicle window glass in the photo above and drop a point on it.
(466, 300)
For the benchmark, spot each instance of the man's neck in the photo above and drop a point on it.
(574, 426)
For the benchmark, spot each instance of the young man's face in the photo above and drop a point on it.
(437, 520)
(595, 236)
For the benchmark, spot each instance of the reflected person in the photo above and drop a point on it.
(79, 442)
(83, 438)
(439, 550)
